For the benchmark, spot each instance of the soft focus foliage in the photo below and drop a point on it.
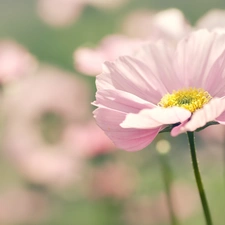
(57, 166)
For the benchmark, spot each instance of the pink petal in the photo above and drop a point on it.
(159, 58)
(178, 129)
(152, 118)
(131, 75)
(162, 24)
(221, 118)
(88, 61)
(104, 80)
(216, 87)
(113, 108)
(127, 139)
(195, 57)
(121, 101)
(210, 112)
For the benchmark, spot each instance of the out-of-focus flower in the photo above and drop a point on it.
(88, 140)
(107, 4)
(15, 61)
(60, 13)
(213, 134)
(162, 87)
(155, 210)
(38, 110)
(168, 24)
(89, 60)
(112, 180)
(181, 193)
(213, 19)
(22, 207)
(50, 90)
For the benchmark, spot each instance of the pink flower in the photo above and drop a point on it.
(178, 87)
(34, 142)
(214, 18)
(167, 24)
(98, 143)
(89, 60)
(18, 206)
(214, 134)
(119, 185)
(109, 4)
(59, 13)
(15, 61)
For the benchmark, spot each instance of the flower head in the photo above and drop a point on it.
(181, 87)
(34, 135)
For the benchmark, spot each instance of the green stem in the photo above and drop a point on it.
(198, 179)
(167, 178)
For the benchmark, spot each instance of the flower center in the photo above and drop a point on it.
(191, 99)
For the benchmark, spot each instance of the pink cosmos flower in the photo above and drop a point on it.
(98, 143)
(60, 13)
(15, 61)
(33, 144)
(180, 88)
(166, 24)
(109, 4)
(113, 46)
(213, 134)
(20, 206)
(110, 48)
(119, 185)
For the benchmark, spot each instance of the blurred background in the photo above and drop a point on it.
(56, 166)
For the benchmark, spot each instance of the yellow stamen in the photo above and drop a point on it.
(191, 99)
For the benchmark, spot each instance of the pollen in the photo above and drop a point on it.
(191, 99)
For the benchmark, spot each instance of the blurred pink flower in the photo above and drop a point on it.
(88, 140)
(168, 24)
(213, 134)
(154, 210)
(181, 193)
(213, 19)
(60, 13)
(15, 61)
(112, 180)
(44, 159)
(161, 87)
(22, 207)
(89, 60)
(107, 4)
(50, 89)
